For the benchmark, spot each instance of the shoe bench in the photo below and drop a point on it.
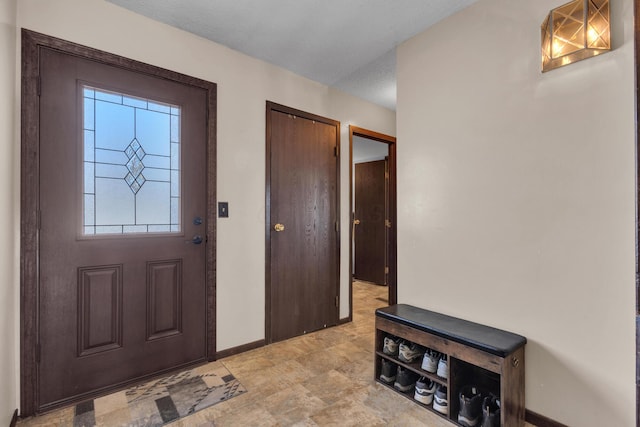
(478, 355)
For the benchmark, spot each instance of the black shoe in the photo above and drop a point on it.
(490, 412)
(388, 372)
(405, 380)
(470, 406)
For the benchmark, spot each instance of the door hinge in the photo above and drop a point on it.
(38, 353)
(386, 270)
(337, 301)
(386, 175)
(387, 223)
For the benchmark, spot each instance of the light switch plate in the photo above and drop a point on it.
(223, 209)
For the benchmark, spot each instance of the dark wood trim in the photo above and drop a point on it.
(540, 420)
(393, 236)
(636, 8)
(32, 44)
(240, 349)
(272, 106)
(267, 236)
(29, 184)
(212, 216)
(393, 216)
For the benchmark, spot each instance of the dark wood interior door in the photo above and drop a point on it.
(123, 208)
(302, 233)
(370, 230)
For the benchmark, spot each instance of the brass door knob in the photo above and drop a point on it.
(279, 227)
(356, 221)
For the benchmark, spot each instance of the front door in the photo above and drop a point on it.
(122, 291)
(302, 222)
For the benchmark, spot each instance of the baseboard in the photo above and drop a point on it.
(345, 320)
(240, 349)
(14, 420)
(540, 420)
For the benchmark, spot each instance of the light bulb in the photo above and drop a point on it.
(556, 48)
(592, 36)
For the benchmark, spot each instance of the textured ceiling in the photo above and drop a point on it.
(348, 44)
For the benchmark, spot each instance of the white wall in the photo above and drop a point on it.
(9, 222)
(368, 150)
(365, 150)
(516, 199)
(244, 85)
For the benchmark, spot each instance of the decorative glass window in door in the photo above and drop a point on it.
(131, 164)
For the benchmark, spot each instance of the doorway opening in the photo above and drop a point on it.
(372, 250)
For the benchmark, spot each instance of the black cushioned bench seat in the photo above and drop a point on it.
(485, 338)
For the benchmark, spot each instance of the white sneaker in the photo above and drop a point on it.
(425, 389)
(443, 366)
(430, 361)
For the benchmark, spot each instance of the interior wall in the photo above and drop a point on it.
(8, 261)
(244, 86)
(368, 150)
(516, 199)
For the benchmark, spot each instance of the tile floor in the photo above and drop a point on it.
(319, 379)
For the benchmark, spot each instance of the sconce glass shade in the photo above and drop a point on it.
(577, 30)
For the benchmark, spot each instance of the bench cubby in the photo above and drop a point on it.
(489, 358)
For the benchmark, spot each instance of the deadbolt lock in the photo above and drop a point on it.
(279, 227)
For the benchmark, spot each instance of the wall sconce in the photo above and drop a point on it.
(577, 30)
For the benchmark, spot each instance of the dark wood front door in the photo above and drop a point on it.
(302, 236)
(370, 231)
(123, 204)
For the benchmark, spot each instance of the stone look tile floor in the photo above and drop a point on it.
(323, 378)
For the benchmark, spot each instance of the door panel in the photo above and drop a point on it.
(122, 304)
(303, 199)
(99, 309)
(164, 287)
(370, 231)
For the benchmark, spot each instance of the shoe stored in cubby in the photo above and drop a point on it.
(470, 411)
(425, 389)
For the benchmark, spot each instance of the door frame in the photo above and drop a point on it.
(636, 19)
(272, 106)
(393, 234)
(32, 44)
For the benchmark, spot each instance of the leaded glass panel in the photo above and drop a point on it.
(131, 164)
